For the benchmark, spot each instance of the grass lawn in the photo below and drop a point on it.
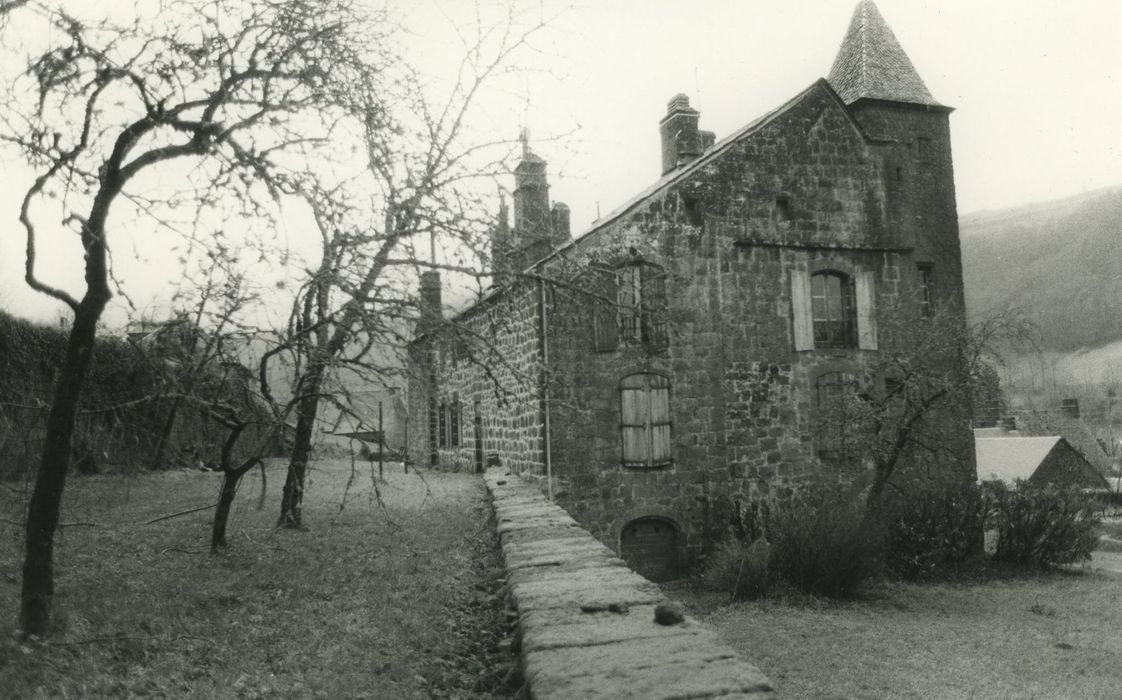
(379, 602)
(1048, 636)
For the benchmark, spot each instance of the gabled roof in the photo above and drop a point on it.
(1007, 459)
(871, 64)
(674, 176)
(710, 154)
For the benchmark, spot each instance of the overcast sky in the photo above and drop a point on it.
(1034, 84)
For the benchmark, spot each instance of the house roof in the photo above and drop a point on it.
(1007, 459)
(871, 64)
(710, 154)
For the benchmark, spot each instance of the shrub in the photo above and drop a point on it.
(930, 533)
(1041, 527)
(739, 568)
(823, 546)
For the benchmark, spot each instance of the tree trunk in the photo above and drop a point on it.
(43, 512)
(292, 498)
(165, 434)
(226, 494)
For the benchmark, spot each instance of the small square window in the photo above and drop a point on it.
(783, 208)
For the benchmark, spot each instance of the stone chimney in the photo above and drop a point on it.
(531, 194)
(431, 310)
(681, 141)
(559, 217)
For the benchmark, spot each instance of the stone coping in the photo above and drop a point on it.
(587, 622)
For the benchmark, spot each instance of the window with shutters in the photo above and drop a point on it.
(645, 420)
(630, 307)
(833, 310)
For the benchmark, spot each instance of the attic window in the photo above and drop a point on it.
(783, 208)
(691, 207)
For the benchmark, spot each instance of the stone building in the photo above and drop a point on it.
(678, 353)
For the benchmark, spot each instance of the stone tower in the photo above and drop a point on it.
(886, 96)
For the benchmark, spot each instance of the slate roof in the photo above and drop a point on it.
(871, 63)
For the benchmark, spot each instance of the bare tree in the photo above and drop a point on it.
(105, 108)
(910, 402)
(419, 205)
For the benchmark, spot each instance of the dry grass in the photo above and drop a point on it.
(1054, 636)
(382, 603)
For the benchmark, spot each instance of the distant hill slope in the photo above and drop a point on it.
(1060, 261)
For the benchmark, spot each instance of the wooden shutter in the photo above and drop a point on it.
(866, 310)
(635, 421)
(645, 420)
(801, 313)
(655, 326)
(659, 396)
(605, 320)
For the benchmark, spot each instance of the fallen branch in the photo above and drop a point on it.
(176, 515)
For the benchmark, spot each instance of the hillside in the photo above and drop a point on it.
(1059, 261)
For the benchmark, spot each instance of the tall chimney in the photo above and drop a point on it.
(681, 141)
(431, 311)
(531, 194)
(560, 220)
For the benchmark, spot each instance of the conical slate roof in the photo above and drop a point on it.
(871, 63)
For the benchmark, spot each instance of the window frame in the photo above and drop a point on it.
(925, 273)
(825, 336)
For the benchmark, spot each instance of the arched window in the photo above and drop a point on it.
(833, 310)
(645, 420)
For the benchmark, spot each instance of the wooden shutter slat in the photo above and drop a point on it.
(635, 446)
(866, 310)
(801, 313)
(634, 407)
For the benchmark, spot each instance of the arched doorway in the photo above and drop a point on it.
(650, 547)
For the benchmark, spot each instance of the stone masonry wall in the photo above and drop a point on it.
(485, 364)
(587, 625)
(804, 189)
(742, 399)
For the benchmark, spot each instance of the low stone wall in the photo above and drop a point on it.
(587, 622)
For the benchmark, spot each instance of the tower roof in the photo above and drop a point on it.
(871, 64)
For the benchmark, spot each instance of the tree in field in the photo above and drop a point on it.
(422, 201)
(910, 402)
(232, 90)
